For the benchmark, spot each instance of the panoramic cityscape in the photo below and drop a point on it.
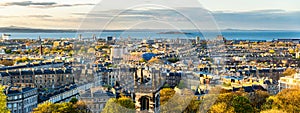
(94, 56)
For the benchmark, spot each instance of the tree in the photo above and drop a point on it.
(231, 102)
(122, 104)
(173, 60)
(273, 111)
(8, 51)
(82, 50)
(221, 108)
(291, 51)
(74, 100)
(287, 100)
(91, 50)
(44, 108)
(242, 104)
(65, 107)
(166, 85)
(166, 94)
(142, 60)
(271, 51)
(289, 72)
(7, 62)
(193, 107)
(3, 107)
(46, 50)
(178, 101)
(81, 107)
(126, 102)
(101, 47)
(258, 98)
(23, 59)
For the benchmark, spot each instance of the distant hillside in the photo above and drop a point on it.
(14, 29)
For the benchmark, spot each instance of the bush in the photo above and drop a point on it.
(173, 60)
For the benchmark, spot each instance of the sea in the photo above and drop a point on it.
(229, 35)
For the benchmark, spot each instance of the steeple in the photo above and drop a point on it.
(41, 46)
(80, 37)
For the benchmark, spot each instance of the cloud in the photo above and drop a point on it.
(28, 3)
(39, 16)
(272, 19)
(28, 16)
(41, 4)
(134, 14)
(149, 18)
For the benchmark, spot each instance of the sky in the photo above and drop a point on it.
(97, 14)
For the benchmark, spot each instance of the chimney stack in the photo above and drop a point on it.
(142, 76)
(135, 76)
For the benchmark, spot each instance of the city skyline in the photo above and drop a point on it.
(232, 14)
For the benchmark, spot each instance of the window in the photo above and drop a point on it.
(9, 106)
(15, 105)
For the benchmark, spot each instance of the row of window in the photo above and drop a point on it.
(15, 97)
(25, 110)
(23, 95)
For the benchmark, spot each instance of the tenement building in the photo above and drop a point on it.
(48, 81)
(21, 100)
(289, 82)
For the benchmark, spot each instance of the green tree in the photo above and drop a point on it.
(173, 60)
(74, 100)
(3, 107)
(8, 51)
(242, 104)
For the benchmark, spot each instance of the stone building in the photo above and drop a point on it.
(147, 84)
(21, 100)
(48, 81)
(96, 98)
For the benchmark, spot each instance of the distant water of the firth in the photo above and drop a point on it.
(231, 35)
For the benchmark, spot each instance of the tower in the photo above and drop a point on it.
(94, 37)
(41, 46)
(146, 89)
(197, 40)
(80, 37)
